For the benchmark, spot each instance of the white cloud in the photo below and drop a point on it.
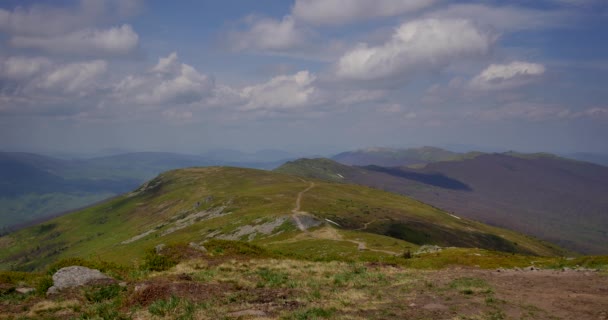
(505, 18)
(537, 112)
(113, 41)
(281, 92)
(418, 45)
(73, 77)
(169, 82)
(21, 68)
(266, 34)
(505, 76)
(45, 20)
(333, 12)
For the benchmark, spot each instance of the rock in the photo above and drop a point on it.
(159, 248)
(197, 246)
(531, 268)
(25, 290)
(566, 269)
(412, 305)
(76, 276)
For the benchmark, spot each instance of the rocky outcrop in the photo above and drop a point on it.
(76, 276)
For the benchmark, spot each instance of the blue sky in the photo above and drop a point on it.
(306, 76)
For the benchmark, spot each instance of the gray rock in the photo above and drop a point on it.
(76, 276)
(197, 246)
(159, 248)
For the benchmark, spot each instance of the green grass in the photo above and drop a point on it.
(248, 197)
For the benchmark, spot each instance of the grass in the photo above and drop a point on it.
(248, 197)
(234, 280)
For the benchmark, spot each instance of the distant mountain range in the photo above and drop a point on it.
(557, 199)
(34, 186)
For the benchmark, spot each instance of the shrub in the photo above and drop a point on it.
(44, 283)
(229, 247)
(156, 262)
(102, 293)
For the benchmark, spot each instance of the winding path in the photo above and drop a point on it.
(295, 212)
(329, 232)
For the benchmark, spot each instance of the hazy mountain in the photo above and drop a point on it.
(556, 199)
(597, 158)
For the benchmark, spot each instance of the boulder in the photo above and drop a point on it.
(76, 276)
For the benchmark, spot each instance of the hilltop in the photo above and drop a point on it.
(306, 217)
(35, 187)
(556, 199)
(393, 157)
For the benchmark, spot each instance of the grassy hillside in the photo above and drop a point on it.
(556, 199)
(193, 205)
(34, 186)
(399, 157)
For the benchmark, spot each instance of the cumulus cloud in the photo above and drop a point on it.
(113, 41)
(169, 82)
(418, 45)
(503, 18)
(72, 77)
(505, 76)
(267, 34)
(21, 67)
(281, 92)
(60, 20)
(537, 112)
(333, 12)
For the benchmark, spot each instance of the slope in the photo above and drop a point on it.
(33, 186)
(398, 157)
(193, 205)
(556, 199)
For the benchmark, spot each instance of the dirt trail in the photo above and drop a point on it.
(295, 212)
(365, 225)
(328, 232)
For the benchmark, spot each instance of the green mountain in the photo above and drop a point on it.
(555, 199)
(284, 213)
(33, 187)
(390, 157)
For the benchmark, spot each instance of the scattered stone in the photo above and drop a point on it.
(434, 307)
(122, 284)
(412, 305)
(500, 270)
(25, 290)
(159, 248)
(197, 246)
(566, 269)
(532, 268)
(209, 199)
(428, 249)
(76, 276)
(250, 312)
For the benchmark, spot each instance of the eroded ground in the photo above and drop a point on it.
(292, 289)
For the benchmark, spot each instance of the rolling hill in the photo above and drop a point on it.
(33, 186)
(559, 200)
(285, 213)
(390, 157)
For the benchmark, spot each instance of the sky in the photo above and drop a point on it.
(305, 76)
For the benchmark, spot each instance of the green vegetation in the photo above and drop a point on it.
(232, 285)
(204, 205)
